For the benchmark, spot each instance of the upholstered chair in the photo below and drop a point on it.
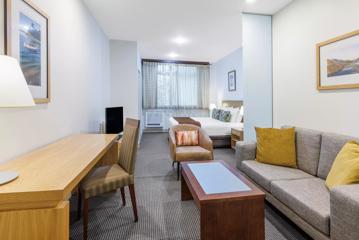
(109, 178)
(204, 150)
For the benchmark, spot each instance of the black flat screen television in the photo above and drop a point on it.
(114, 120)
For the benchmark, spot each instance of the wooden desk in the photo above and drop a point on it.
(36, 206)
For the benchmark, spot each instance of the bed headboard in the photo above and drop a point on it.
(232, 103)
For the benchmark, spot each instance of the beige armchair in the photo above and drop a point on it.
(204, 151)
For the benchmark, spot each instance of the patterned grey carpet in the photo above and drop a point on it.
(162, 215)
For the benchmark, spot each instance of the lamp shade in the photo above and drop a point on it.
(14, 91)
(212, 106)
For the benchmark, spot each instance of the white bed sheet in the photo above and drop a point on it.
(212, 127)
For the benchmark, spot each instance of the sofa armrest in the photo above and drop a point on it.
(205, 141)
(344, 212)
(245, 151)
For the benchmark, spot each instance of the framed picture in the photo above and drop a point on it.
(232, 81)
(338, 62)
(27, 39)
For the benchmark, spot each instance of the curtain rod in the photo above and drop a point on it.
(175, 61)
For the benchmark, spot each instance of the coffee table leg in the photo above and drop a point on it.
(185, 192)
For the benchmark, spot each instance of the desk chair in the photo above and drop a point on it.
(109, 178)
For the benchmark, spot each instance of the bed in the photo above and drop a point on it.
(218, 131)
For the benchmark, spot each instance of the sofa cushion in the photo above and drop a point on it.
(263, 174)
(308, 149)
(331, 146)
(276, 146)
(345, 169)
(309, 198)
(190, 153)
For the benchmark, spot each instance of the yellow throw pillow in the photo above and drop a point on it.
(276, 146)
(345, 169)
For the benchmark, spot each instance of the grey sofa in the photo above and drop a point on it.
(301, 193)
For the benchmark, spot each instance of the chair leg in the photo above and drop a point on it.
(85, 218)
(123, 196)
(79, 203)
(178, 170)
(133, 200)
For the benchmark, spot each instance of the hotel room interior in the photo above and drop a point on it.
(182, 120)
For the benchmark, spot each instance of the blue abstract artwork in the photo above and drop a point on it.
(30, 49)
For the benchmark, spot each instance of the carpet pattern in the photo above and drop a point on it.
(161, 213)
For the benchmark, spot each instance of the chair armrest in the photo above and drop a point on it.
(245, 151)
(344, 211)
(172, 144)
(205, 141)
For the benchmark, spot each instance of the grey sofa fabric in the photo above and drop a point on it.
(308, 143)
(309, 198)
(245, 151)
(344, 207)
(308, 149)
(264, 174)
(331, 146)
(301, 193)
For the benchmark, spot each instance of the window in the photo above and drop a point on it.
(172, 85)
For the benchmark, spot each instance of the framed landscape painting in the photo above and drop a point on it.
(338, 62)
(232, 81)
(27, 39)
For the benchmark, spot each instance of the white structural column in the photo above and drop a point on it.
(257, 70)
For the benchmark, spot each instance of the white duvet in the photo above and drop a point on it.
(213, 127)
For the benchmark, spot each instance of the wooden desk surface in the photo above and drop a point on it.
(48, 174)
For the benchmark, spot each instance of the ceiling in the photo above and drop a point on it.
(206, 30)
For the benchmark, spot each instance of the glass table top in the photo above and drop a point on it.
(215, 178)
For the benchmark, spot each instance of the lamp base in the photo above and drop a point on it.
(7, 176)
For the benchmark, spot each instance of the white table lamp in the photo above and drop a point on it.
(211, 107)
(14, 92)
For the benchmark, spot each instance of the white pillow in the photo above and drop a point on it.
(234, 112)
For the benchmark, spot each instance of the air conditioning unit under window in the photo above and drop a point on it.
(154, 119)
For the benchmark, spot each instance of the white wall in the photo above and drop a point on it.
(257, 69)
(79, 82)
(219, 78)
(125, 84)
(296, 31)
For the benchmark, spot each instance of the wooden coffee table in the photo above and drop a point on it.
(231, 207)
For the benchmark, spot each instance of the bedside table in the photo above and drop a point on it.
(236, 135)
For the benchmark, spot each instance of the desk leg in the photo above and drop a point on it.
(36, 224)
(185, 192)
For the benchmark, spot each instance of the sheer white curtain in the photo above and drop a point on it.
(172, 85)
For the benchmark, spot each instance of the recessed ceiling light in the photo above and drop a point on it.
(251, 1)
(173, 55)
(180, 40)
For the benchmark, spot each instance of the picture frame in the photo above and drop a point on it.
(27, 39)
(338, 62)
(232, 81)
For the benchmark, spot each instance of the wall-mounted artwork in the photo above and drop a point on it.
(27, 39)
(232, 81)
(338, 62)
